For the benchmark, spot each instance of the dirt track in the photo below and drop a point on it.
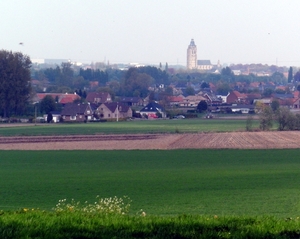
(236, 140)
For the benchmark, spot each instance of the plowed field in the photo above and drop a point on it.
(230, 140)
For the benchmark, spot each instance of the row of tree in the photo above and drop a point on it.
(285, 119)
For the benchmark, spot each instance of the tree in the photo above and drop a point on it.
(49, 117)
(297, 76)
(227, 74)
(136, 82)
(223, 88)
(290, 75)
(278, 77)
(15, 84)
(202, 106)
(47, 104)
(268, 92)
(190, 90)
(169, 91)
(283, 117)
(249, 123)
(266, 118)
(275, 105)
(204, 85)
(166, 67)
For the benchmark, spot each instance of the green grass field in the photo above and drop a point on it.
(211, 182)
(146, 126)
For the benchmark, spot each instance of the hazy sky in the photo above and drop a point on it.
(153, 31)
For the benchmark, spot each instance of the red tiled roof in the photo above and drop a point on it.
(68, 98)
(239, 95)
(175, 99)
(255, 84)
(62, 98)
(296, 94)
(94, 83)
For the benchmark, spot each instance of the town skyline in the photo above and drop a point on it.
(153, 32)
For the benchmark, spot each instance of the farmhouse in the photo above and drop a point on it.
(152, 110)
(114, 110)
(73, 112)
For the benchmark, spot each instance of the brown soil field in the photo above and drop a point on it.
(229, 140)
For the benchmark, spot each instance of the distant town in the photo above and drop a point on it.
(63, 90)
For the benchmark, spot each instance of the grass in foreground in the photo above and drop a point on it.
(210, 182)
(39, 224)
(146, 126)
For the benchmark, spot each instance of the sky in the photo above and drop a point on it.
(153, 31)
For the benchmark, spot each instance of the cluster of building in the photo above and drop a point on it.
(99, 107)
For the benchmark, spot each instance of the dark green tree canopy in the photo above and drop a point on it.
(290, 75)
(202, 106)
(297, 76)
(135, 83)
(204, 85)
(15, 86)
(275, 105)
(190, 90)
(49, 117)
(47, 104)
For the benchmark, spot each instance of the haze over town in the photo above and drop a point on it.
(150, 32)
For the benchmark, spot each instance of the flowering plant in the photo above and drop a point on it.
(112, 205)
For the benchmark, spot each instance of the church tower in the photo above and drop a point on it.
(192, 56)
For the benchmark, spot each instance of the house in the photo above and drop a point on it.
(244, 109)
(236, 97)
(132, 101)
(152, 110)
(213, 99)
(98, 97)
(192, 100)
(285, 99)
(296, 104)
(296, 94)
(73, 112)
(253, 96)
(114, 110)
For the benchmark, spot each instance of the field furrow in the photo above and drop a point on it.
(233, 140)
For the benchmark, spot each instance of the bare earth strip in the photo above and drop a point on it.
(229, 140)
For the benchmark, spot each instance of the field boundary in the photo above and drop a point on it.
(226, 140)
